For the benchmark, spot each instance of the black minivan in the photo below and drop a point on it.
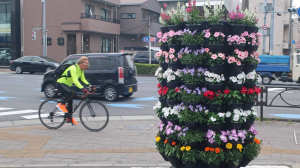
(113, 73)
(143, 57)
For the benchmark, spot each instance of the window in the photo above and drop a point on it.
(89, 11)
(298, 59)
(105, 45)
(27, 59)
(262, 31)
(262, 7)
(128, 16)
(143, 15)
(97, 63)
(128, 62)
(60, 41)
(71, 61)
(111, 63)
(36, 59)
(105, 14)
(49, 41)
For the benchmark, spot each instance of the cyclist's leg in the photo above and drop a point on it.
(68, 93)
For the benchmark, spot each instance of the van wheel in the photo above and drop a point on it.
(49, 90)
(266, 80)
(128, 95)
(110, 93)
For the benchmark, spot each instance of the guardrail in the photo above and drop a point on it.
(98, 17)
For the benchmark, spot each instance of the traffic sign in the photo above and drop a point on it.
(146, 39)
(265, 27)
(265, 32)
(298, 47)
(152, 39)
(298, 12)
(293, 42)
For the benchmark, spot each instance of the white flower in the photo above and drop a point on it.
(206, 73)
(165, 75)
(206, 79)
(206, 111)
(166, 111)
(211, 79)
(236, 111)
(211, 75)
(173, 111)
(223, 78)
(244, 118)
(219, 79)
(258, 79)
(254, 113)
(236, 117)
(248, 112)
(228, 114)
(213, 119)
(240, 76)
(240, 81)
(159, 75)
(234, 79)
(173, 77)
(221, 114)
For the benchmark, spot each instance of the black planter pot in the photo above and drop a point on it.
(164, 66)
(193, 46)
(164, 29)
(245, 161)
(201, 145)
(249, 68)
(175, 66)
(174, 122)
(236, 126)
(247, 124)
(234, 106)
(187, 104)
(164, 156)
(164, 47)
(192, 27)
(215, 48)
(164, 120)
(192, 125)
(248, 140)
(172, 103)
(248, 105)
(250, 48)
(215, 87)
(191, 144)
(176, 28)
(162, 136)
(214, 127)
(212, 145)
(204, 24)
(216, 28)
(163, 83)
(190, 164)
(234, 86)
(232, 165)
(234, 143)
(192, 65)
(237, 29)
(191, 86)
(177, 47)
(217, 68)
(214, 107)
(251, 29)
(175, 161)
(237, 46)
(171, 140)
(163, 101)
(249, 85)
(212, 166)
(173, 85)
(234, 69)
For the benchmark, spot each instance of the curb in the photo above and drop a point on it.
(280, 119)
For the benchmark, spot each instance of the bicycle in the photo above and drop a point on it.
(53, 118)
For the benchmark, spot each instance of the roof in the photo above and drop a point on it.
(132, 2)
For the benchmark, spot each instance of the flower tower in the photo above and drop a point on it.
(207, 87)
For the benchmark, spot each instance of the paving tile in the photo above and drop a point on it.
(65, 151)
(12, 155)
(287, 151)
(33, 155)
(84, 151)
(103, 150)
(4, 151)
(121, 151)
(142, 150)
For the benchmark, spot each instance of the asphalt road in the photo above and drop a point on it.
(20, 96)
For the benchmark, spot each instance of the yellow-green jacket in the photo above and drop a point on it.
(75, 73)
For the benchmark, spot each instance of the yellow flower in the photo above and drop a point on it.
(188, 148)
(182, 148)
(240, 147)
(228, 145)
(157, 139)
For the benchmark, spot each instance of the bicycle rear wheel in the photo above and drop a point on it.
(50, 116)
(94, 116)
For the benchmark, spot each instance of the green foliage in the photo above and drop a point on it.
(191, 58)
(189, 38)
(147, 69)
(176, 39)
(173, 150)
(192, 78)
(160, 147)
(192, 136)
(235, 96)
(189, 96)
(191, 156)
(233, 155)
(211, 157)
(191, 116)
(219, 58)
(252, 150)
(173, 94)
(214, 118)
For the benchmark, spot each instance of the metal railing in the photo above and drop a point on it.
(98, 17)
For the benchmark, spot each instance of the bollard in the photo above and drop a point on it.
(262, 104)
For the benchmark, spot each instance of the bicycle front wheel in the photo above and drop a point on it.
(50, 116)
(94, 116)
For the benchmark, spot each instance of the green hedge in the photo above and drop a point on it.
(146, 69)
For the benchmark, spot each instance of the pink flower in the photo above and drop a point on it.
(216, 34)
(159, 34)
(158, 54)
(171, 33)
(241, 55)
(167, 60)
(252, 55)
(237, 51)
(172, 50)
(166, 54)
(238, 62)
(245, 33)
(207, 35)
(165, 5)
(223, 35)
(258, 60)
(231, 60)
(214, 56)
(230, 43)
(171, 56)
(221, 55)
(237, 8)
(246, 53)
(206, 49)
(248, 42)
(179, 56)
(175, 59)
(164, 40)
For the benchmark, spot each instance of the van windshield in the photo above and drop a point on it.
(128, 62)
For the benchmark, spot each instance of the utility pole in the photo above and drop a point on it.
(44, 29)
(291, 24)
(264, 37)
(245, 4)
(149, 48)
(272, 28)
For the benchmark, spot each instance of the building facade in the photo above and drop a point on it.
(73, 27)
(134, 18)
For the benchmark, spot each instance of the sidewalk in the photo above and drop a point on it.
(126, 141)
(5, 69)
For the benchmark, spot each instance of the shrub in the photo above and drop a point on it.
(147, 69)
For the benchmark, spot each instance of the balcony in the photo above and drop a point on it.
(98, 17)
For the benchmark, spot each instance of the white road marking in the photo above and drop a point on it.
(43, 115)
(18, 112)
(278, 90)
(3, 108)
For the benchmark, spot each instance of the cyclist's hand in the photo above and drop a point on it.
(93, 87)
(85, 91)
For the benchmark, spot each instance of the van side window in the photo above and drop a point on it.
(71, 61)
(97, 63)
(298, 59)
(111, 63)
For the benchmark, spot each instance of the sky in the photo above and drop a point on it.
(297, 3)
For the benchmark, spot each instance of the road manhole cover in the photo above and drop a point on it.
(137, 127)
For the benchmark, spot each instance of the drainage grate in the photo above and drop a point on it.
(137, 127)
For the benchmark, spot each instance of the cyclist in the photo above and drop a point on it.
(73, 73)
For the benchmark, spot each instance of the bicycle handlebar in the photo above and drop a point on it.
(94, 91)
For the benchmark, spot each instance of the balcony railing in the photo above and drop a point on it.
(98, 17)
